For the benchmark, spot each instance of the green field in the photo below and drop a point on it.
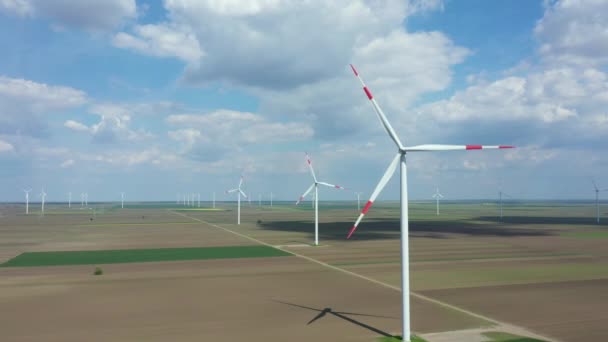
(139, 255)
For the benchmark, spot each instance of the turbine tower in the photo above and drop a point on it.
(271, 199)
(437, 196)
(213, 200)
(43, 197)
(500, 196)
(122, 200)
(69, 199)
(597, 199)
(260, 200)
(315, 185)
(239, 193)
(358, 200)
(400, 159)
(27, 200)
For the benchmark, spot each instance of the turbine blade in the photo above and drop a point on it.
(385, 178)
(242, 193)
(312, 171)
(231, 191)
(305, 194)
(321, 314)
(332, 186)
(387, 126)
(433, 147)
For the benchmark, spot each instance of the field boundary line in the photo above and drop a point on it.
(508, 326)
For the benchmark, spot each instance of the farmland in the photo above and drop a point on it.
(539, 272)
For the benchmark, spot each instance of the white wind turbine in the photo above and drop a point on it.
(69, 199)
(271, 199)
(82, 199)
(597, 199)
(437, 196)
(400, 159)
(240, 192)
(199, 199)
(43, 197)
(214, 200)
(358, 200)
(27, 200)
(315, 185)
(122, 200)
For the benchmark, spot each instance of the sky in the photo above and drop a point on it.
(156, 98)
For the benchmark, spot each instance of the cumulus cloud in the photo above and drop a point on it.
(67, 163)
(6, 147)
(93, 15)
(209, 136)
(113, 125)
(161, 41)
(76, 126)
(574, 32)
(25, 103)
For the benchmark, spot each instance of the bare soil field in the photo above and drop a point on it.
(569, 311)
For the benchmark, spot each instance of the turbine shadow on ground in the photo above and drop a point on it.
(380, 229)
(342, 315)
(544, 220)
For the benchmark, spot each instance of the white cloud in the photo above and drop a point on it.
(230, 127)
(39, 96)
(25, 104)
(574, 31)
(114, 124)
(6, 147)
(76, 126)
(161, 41)
(94, 15)
(19, 7)
(67, 163)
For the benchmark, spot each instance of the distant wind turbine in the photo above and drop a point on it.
(122, 200)
(358, 200)
(597, 199)
(43, 197)
(27, 200)
(315, 185)
(214, 200)
(271, 199)
(69, 199)
(259, 200)
(239, 192)
(500, 195)
(437, 196)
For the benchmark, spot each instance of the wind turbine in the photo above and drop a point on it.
(69, 199)
(213, 200)
(43, 197)
(358, 200)
(260, 200)
(597, 200)
(400, 159)
(27, 200)
(82, 199)
(271, 199)
(122, 200)
(500, 195)
(315, 185)
(437, 196)
(199, 199)
(240, 192)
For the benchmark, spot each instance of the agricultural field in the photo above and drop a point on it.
(175, 273)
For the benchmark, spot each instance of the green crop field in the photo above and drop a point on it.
(139, 255)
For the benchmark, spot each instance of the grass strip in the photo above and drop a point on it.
(60, 258)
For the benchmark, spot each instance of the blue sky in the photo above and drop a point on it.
(156, 98)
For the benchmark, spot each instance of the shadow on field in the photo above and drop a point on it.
(543, 220)
(341, 315)
(389, 229)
